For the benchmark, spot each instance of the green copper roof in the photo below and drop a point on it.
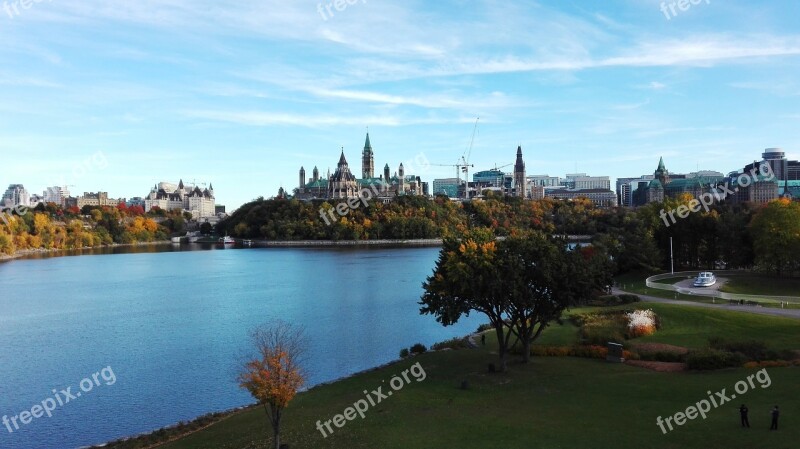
(367, 145)
(655, 184)
(661, 167)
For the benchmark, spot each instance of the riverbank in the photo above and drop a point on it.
(347, 243)
(66, 252)
(458, 403)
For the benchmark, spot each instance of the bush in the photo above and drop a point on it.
(627, 298)
(404, 353)
(712, 359)
(485, 327)
(601, 335)
(753, 350)
(454, 343)
(663, 356)
(591, 352)
(604, 301)
(418, 348)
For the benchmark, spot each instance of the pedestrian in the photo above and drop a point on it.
(775, 414)
(743, 414)
(483, 339)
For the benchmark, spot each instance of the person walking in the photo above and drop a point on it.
(743, 414)
(775, 414)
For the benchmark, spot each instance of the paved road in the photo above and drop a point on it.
(789, 313)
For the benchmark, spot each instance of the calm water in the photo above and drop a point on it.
(172, 324)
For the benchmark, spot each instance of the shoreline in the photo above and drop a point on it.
(411, 243)
(225, 414)
(338, 243)
(55, 252)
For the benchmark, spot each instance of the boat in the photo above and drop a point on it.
(247, 242)
(176, 239)
(705, 279)
(227, 240)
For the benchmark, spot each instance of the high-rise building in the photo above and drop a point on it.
(446, 186)
(581, 181)
(55, 195)
(16, 195)
(489, 178)
(544, 180)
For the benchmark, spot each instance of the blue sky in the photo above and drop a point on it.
(241, 94)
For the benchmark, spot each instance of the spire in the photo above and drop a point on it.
(210, 186)
(180, 184)
(661, 164)
(367, 145)
(342, 160)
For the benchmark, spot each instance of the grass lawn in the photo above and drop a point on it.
(746, 284)
(550, 403)
(762, 285)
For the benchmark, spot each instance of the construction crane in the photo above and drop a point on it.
(496, 168)
(458, 172)
(463, 165)
(465, 161)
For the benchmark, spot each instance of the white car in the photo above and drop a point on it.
(705, 279)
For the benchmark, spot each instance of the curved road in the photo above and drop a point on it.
(788, 313)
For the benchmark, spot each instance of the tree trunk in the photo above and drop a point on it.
(501, 347)
(526, 350)
(275, 420)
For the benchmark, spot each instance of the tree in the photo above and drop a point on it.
(776, 235)
(467, 279)
(206, 228)
(274, 374)
(541, 277)
(521, 283)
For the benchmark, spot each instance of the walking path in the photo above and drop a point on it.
(788, 313)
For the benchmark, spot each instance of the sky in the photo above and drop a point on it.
(117, 96)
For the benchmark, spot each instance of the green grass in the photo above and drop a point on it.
(635, 283)
(762, 285)
(550, 403)
(693, 326)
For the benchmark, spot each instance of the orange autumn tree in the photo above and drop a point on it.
(274, 375)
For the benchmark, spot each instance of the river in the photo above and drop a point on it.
(164, 328)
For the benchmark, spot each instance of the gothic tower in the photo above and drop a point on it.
(342, 184)
(315, 174)
(387, 177)
(302, 186)
(367, 161)
(401, 180)
(661, 173)
(520, 184)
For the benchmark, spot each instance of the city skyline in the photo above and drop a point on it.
(227, 93)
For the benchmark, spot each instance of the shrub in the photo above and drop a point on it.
(601, 335)
(712, 359)
(404, 353)
(604, 301)
(752, 349)
(663, 356)
(485, 327)
(453, 343)
(627, 298)
(641, 323)
(418, 348)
